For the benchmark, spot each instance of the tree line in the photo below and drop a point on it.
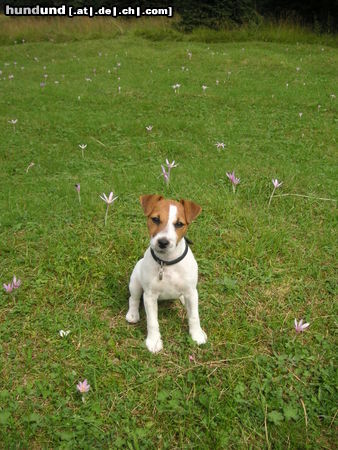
(322, 15)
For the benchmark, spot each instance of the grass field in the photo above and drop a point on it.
(256, 383)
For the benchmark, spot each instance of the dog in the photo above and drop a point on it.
(168, 269)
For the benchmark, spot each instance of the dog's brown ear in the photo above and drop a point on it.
(148, 202)
(191, 210)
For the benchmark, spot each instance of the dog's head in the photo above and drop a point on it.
(168, 220)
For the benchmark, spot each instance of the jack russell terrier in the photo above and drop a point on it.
(168, 269)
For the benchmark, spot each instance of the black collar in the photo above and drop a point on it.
(162, 262)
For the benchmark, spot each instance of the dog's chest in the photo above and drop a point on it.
(170, 281)
(171, 284)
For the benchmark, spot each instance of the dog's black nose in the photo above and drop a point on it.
(163, 243)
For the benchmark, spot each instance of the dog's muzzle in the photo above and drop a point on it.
(163, 243)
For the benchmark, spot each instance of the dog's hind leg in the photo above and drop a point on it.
(135, 288)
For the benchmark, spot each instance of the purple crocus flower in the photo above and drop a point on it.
(13, 122)
(170, 165)
(82, 147)
(220, 145)
(83, 386)
(300, 326)
(63, 333)
(233, 179)
(16, 283)
(78, 189)
(8, 287)
(108, 200)
(165, 174)
(276, 185)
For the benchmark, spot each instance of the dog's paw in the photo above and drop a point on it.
(133, 316)
(199, 336)
(154, 345)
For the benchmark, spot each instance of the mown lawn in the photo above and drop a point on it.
(256, 383)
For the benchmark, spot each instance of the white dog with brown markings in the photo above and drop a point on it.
(168, 269)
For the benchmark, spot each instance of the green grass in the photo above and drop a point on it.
(256, 383)
(14, 30)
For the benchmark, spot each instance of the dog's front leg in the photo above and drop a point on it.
(196, 332)
(153, 341)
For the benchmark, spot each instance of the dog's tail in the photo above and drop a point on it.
(181, 297)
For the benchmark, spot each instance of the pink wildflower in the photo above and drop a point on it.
(300, 326)
(83, 386)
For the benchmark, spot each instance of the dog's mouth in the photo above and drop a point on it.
(161, 250)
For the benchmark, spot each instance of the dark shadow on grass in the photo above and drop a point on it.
(116, 287)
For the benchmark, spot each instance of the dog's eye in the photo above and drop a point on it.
(179, 225)
(156, 220)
